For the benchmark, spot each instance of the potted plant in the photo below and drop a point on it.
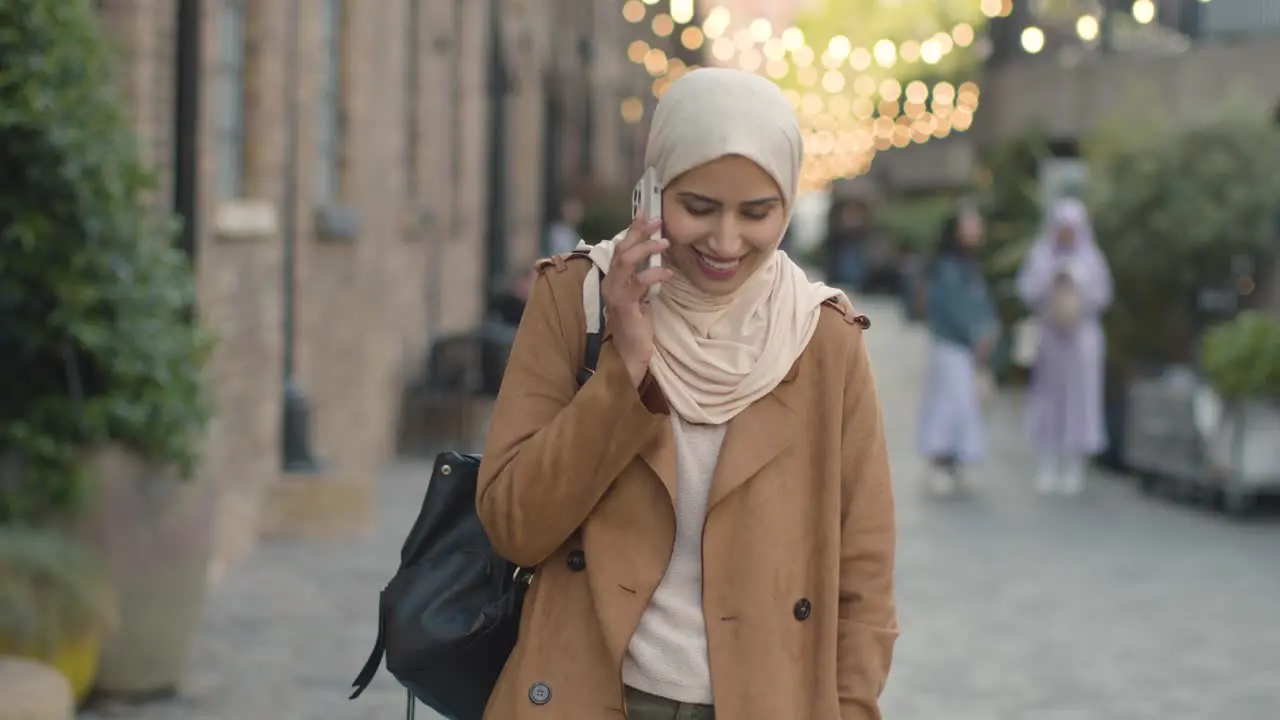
(1241, 360)
(56, 603)
(106, 405)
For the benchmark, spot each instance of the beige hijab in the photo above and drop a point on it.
(714, 356)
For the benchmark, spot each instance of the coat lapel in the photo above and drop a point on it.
(660, 456)
(754, 438)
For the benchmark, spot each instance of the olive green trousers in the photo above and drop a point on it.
(643, 706)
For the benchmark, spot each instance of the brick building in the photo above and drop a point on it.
(346, 160)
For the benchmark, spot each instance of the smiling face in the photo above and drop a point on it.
(724, 220)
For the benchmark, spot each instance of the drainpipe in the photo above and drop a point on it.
(499, 84)
(187, 125)
(296, 411)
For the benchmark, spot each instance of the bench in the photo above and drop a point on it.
(448, 406)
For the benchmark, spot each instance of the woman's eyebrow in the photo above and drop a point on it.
(687, 195)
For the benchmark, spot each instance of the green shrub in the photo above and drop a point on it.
(97, 340)
(1241, 357)
(52, 590)
(1171, 209)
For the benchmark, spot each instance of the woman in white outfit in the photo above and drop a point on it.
(1066, 282)
(963, 324)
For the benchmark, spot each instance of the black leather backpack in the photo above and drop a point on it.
(448, 620)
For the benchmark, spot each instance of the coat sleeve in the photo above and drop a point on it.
(868, 625)
(553, 449)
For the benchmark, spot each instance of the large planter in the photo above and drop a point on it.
(155, 534)
(1242, 452)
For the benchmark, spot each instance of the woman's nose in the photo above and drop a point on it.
(728, 241)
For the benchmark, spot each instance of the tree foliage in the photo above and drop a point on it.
(1172, 209)
(1241, 357)
(97, 341)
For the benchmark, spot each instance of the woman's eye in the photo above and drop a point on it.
(699, 211)
(756, 214)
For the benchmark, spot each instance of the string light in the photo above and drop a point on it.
(1087, 28)
(1032, 39)
(682, 11)
(843, 130)
(1144, 11)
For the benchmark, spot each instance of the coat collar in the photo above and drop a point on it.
(752, 440)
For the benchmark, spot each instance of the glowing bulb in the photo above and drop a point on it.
(930, 51)
(761, 30)
(1032, 39)
(792, 39)
(839, 48)
(885, 53)
(692, 38)
(1144, 11)
(632, 110)
(860, 59)
(633, 12)
(1087, 27)
(682, 11)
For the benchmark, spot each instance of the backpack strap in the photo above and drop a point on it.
(595, 340)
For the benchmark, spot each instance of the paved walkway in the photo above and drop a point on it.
(1014, 607)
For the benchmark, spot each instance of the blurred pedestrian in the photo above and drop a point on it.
(848, 235)
(710, 514)
(964, 329)
(1066, 282)
(563, 233)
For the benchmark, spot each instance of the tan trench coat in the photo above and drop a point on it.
(797, 549)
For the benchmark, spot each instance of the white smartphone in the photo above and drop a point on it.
(646, 202)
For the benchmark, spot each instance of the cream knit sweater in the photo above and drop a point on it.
(668, 653)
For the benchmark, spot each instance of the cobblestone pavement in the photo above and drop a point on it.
(1014, 607)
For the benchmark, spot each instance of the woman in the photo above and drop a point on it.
(963, 324)
(710, 515)
(1066, 282)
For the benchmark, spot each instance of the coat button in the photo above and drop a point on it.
(577, 560)
(803, 609)
(539, 693)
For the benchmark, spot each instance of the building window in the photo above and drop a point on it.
(230, 101)
(329, 122)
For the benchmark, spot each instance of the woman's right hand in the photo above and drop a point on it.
(624, 293)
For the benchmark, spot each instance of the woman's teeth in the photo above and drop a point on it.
(717, 264)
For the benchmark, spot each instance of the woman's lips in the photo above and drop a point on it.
(716, 268)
